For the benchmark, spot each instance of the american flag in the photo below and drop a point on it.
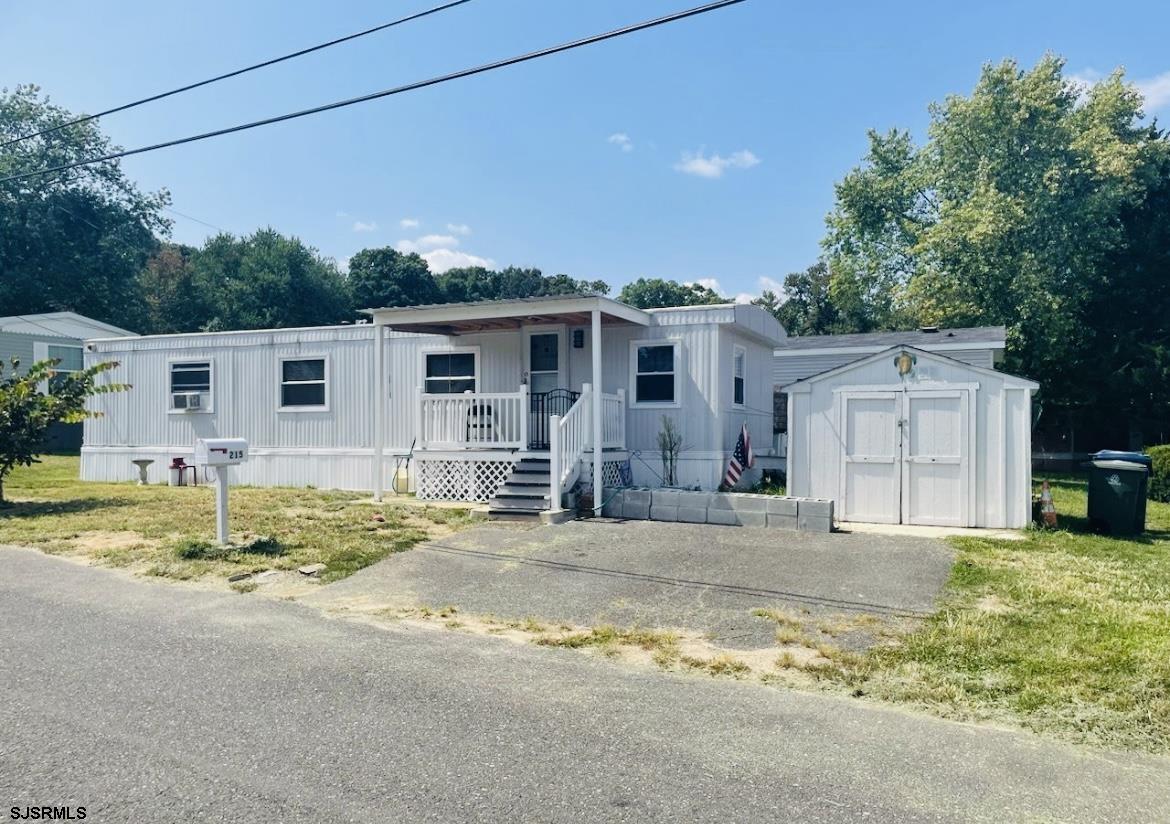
(742, 458)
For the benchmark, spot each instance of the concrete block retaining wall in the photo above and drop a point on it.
(729, 508)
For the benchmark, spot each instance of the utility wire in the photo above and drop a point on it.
(195, 220)
(434, 81)
(237, 72)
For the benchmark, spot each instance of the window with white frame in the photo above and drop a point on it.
(738, 375)
(302, 383)
(69, 360)
(655, 373)
(450, 373)
(190, 383)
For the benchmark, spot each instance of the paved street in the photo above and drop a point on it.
(150, 702)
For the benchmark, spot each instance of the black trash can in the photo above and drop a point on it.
(1117, 492)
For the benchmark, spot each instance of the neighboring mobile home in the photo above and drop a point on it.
(60, 335)
(497, 400)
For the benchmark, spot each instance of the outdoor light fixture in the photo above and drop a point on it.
(905, 363)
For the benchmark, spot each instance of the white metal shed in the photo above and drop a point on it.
(914, 437)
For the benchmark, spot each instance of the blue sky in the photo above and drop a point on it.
(706, 149)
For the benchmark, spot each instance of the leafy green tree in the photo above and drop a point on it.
(1010, 213)
(26, 414)
(565, 285)
(171, 292)
(807, 308)
(268, 281)
(387, 277)
(73, 240)
(470, 283)
(654, 293)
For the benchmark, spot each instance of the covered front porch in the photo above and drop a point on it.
(520, 448)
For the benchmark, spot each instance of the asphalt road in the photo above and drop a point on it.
(149, 702)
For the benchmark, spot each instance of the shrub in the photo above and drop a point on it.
(199, 549)
(1160, 473)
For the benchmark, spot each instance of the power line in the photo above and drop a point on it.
(237, 72)
(434, 81)
(195, 220)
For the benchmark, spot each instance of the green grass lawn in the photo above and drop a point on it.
(1066, 633)
(166, 531)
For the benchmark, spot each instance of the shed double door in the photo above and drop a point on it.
(906, 457)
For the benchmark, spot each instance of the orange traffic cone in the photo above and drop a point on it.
(1047, 508)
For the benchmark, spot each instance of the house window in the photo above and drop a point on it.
(450, 373)
(70, 358)
(191, 385)
(655, 373)
(302, 383)
(738, 373)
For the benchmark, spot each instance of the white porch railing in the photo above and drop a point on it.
(613, 420)
(473, 420)
(569, 437)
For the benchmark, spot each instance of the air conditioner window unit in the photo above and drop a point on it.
(187, 400)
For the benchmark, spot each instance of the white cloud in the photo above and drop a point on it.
(408, 223)
(440, 260)
(459, 228)
(768, 284)
(744, 297)
(1155, 90)
(427, 243)
(713, 166)
(622, 140)
(360, 226)
(342, 214)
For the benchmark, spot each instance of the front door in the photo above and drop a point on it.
(545, 385)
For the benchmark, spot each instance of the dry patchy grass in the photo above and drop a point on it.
(165, 531)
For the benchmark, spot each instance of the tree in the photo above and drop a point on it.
(653, 293)
(807, 308)
(471, 283)
(387, 277)
(173, 298)
(268, 281)
(26, 414)
(74, 240)
(1013, 212)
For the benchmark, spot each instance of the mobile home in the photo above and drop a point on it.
(498, 400)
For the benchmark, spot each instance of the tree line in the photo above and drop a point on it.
(1033, 203)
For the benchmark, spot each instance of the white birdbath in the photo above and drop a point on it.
(142, 463)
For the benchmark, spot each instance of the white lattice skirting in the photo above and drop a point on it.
(611, 475)
(473, 480)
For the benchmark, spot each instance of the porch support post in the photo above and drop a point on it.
(554, 463)
(598, 389)
(380, 391)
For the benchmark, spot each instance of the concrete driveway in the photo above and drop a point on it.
(702, 578)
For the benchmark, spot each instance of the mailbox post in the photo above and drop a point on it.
(220, 453)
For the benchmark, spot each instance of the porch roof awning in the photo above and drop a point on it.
(488, 315)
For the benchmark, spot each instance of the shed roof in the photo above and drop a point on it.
(975, 337)
(61, 324)
(803, 384)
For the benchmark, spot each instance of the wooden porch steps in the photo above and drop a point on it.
(525, 494)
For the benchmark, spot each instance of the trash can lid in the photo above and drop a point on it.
(1129, 457)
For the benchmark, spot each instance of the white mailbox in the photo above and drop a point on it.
(220, 451)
